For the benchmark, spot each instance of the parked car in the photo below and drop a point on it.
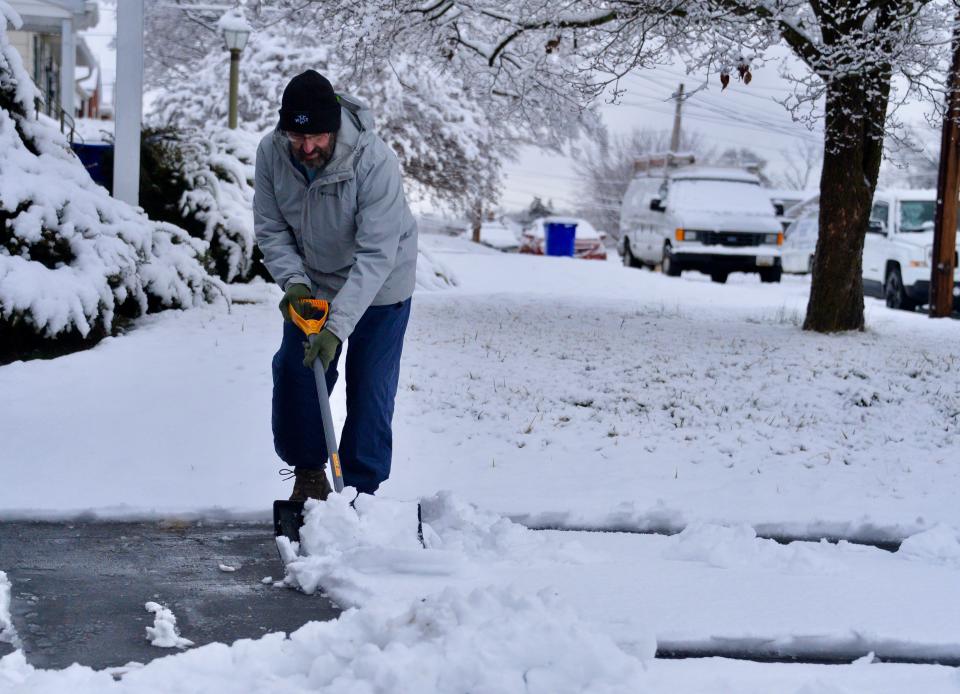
(898, 248)
(785, 200)
(800, 242)
(587, 242)
(715, 220)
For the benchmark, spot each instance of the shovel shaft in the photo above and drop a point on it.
(329, 433)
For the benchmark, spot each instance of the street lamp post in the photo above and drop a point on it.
(236, 31)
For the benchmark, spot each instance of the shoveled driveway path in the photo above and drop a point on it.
(79, 588)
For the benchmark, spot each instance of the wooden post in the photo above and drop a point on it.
(948, 191)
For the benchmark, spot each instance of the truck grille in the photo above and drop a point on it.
(729, 238)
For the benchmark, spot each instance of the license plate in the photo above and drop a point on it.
(764, 261)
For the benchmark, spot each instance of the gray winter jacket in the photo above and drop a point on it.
(349, 234)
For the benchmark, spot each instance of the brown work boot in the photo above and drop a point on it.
(310, 484)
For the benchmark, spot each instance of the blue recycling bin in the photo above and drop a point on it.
(95, 158)
(559, 238)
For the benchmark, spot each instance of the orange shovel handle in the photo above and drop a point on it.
(310, 326)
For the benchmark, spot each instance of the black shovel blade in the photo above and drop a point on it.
(287, 519)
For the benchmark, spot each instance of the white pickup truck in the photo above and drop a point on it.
(714, 220)
(898, 248)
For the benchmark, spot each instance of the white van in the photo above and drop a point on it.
(715, 220)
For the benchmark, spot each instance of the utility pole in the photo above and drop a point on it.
(675, 135)
(948, 191)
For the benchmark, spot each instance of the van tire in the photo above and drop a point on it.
(668, 265)
(895, 293)
(629, 259)
(771, 274)
(719, 276)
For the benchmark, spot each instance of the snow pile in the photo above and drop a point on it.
(483, 641)
(233, 20)
(73, 259)
(739, 547)
(164, 633)
(432, 273)
(938, 545)
(7, 632)
(218, 169)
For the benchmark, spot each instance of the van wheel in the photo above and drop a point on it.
(771, 274)
(670, 267)
(719, 276)
(895, 293)
(629, 260)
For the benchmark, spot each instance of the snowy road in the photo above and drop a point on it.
(576, 394)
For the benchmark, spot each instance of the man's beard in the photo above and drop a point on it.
(318, 158)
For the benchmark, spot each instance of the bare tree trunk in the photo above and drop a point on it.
(476, 218)
(855, 115)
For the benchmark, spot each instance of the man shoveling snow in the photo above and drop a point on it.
(333, 223)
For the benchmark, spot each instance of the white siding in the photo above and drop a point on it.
(23, 42)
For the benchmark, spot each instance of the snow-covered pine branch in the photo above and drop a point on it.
(450, 146)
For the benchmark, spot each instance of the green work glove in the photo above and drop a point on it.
(324, 347)
(294, 293)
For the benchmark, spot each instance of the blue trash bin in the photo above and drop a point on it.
(559, 238)
(94, 158)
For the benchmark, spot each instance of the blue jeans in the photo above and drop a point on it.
(372, 374)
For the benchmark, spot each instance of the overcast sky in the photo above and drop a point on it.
(740, 116)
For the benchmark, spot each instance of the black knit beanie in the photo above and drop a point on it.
(309, 105)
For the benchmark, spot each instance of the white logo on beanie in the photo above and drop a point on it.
(302, 119)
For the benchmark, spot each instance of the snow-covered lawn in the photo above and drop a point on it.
(557, 393)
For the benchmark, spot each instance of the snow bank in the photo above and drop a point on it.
(938, 545)
(72, 259)
(484, 641)
(432, 273)
(7, 632)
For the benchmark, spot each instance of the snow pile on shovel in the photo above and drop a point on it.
(350, 549)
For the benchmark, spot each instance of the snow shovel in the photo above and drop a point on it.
(288, 515)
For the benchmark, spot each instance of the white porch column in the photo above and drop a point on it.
(68, 66)
(128, 101)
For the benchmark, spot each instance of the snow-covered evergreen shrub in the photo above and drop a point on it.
(218, 171)
(73, 260)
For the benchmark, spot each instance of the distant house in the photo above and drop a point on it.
(59, 60)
